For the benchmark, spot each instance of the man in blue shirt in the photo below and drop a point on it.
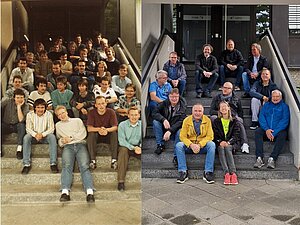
(159, 90)
(176, 72)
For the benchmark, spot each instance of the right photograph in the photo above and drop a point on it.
(220, 114)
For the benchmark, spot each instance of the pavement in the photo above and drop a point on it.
(259, 202)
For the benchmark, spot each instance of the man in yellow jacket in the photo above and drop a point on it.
(196, 136)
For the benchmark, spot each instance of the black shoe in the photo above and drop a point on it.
(93, 165)
(183, 177)
(199, 95)
(26, 170)
(64, 198)
(208, 177)
(246, 95)
(121, 186)
(254, 125)
(159, 149)
(175, 162)
(207, 94)
(19, 155)
(90, 198)
(54, 169)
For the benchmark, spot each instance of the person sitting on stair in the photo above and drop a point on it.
(274, 119)
(230, 96)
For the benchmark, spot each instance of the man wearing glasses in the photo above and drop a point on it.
(236, 108)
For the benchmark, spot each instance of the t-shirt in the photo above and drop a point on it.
(34, 95)
(107, 120)
(225, 124)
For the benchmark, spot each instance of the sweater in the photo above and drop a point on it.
(130, 136)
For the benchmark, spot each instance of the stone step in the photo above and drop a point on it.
(43, 176)
(9, 149)
(43, 162)
(165, 171)
(26, 194)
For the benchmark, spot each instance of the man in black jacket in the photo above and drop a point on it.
(206, 67)
(253, 68)
(231, 64)
(168, 118)
(236, 109)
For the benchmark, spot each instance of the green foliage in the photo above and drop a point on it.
(262, 18)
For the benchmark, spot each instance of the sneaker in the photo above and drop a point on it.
(93, 165)
(90, 198)
(159, 149)
(26, 170)
(245, 148)
(208, 177)
(246, 95)
(237, 88)
(183, 177)
(199, 95)
(259, 163)
(271, 163)
(54, 169)
(64, 198)
(227, 179)
(114, 164)
(254, 125)
(19, 155)
(175, 162)
(207, 94)
(121, 186)
(233, 179)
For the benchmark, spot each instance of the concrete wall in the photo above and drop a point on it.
(151, 29)
(294, 53)
(6, 26)
(128, 31)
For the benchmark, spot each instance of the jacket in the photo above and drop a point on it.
(181, 74)
(162, 112)
(262, 63)
(232, 136)
(258, 90)
(188, 133)
(209, 64)
(274, 116)
(234, 103)
(234, 57)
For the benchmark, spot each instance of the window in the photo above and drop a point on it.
(294, 19)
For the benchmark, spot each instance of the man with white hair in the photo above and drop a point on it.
(159, 90)
(256, 62)
(274, 119)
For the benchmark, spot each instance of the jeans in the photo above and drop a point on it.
(259, 144)
(247, 81)
(49, 139)
(180, 86)
(237, 73)
(18, 128)
(159, 131)
(69, 153)
(209, 149)
(226, 159)
(212, 81)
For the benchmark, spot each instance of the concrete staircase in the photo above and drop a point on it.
(41, 186)
(162, 166)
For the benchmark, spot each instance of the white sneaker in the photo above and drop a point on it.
(245, 148)
(19, 148)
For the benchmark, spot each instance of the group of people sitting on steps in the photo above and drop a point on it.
(74, 105)
(223, 130)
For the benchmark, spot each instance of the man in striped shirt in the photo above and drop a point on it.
(40, 129)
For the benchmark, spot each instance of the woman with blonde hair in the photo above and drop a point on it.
(226, 137)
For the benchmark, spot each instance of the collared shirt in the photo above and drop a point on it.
(10, 113)
(39, 124)
(254, 68)
(197, 126)
(129, 135)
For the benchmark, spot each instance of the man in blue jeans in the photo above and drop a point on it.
(274, 119)
(40, 129)
(167, 120)
(196, 136)
(71, 134)
(231, 64)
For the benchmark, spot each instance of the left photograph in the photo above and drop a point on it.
(71, 112)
